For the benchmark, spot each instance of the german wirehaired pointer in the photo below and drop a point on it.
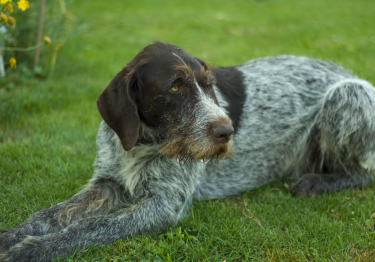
(175, 130)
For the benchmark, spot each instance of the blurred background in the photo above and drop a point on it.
(222, 32)
(49, 120)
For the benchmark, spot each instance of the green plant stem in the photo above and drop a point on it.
(21, 49)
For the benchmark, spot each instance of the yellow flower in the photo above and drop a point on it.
(47, 40)
(3, 17)
(11, 21)
(12, 62)
(23, 5)
(5, 1)
(8, 7)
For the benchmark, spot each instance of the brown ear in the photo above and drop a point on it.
(117, 106)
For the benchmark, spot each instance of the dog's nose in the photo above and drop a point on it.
(223, 132)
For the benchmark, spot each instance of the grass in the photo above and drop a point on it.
(48, 127)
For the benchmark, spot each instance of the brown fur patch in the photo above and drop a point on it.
(205, 76)
(93, 199)
(186, 148)
(184, 70)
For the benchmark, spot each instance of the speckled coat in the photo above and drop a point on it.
(167, 138)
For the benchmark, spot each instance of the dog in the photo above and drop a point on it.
(176, 130)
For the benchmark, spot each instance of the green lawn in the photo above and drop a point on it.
(48, 127)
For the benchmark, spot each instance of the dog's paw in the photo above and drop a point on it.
(6, 241)
(30, 249)
(309, 185)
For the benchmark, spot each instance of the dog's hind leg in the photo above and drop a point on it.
(345, 134)
(96, 199)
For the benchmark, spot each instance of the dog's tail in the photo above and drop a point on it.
(347, 124)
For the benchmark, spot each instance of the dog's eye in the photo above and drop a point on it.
(175, 89)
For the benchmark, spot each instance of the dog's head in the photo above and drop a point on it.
(170, 92)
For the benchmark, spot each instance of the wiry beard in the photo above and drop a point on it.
(188, 143)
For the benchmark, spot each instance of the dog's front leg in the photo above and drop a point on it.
(96, 199)
(148, 216)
